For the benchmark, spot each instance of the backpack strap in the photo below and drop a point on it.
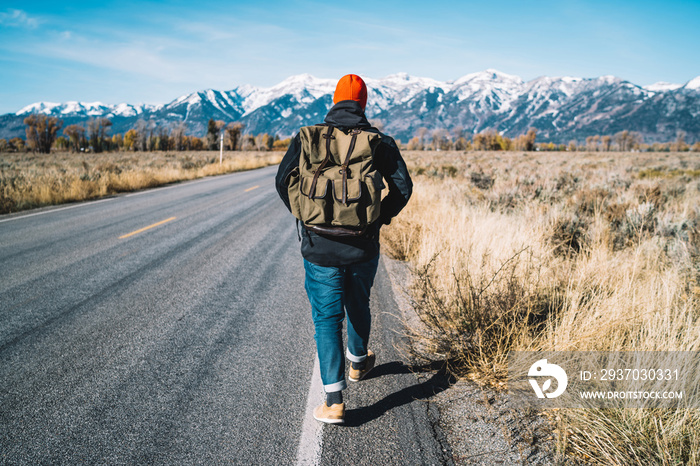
(344, 168)
(328, 136)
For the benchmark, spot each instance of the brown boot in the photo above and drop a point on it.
(333, 414)
(356, 375)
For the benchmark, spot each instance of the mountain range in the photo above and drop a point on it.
(560, 108)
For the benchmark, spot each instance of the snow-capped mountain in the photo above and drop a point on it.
(93, 109)
(663, 86)
(561, 108)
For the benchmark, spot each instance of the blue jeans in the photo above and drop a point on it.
(332, 292)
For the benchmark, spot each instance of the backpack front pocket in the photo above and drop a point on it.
(315, 202)
(353, 190)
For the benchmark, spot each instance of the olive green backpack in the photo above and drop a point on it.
(336, 191)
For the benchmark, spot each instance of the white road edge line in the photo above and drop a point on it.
(309, 449)
(82, 204)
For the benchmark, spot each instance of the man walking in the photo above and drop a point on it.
(340, 270)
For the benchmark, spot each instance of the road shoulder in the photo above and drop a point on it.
(475, 424)
(388, 419)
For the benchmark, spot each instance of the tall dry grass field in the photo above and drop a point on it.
(559, 251)
(31, 180)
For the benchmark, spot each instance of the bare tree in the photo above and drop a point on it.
(263, 142)
(16, 144)
(422, 133)
(75, 134)
(233, 134)
(178, 135)
(624, 140)
(530, 138)
(41, 132)
(248, 142)
(415, 144)
(680, 144)
(97, 130)
(213, 133)
(440, 140)
(131, 140)
(144, 131)
(163, 138)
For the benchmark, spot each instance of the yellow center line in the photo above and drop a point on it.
(147, 228)
(254, 187)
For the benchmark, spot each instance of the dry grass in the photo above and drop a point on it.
(559, 251)
(32, 180)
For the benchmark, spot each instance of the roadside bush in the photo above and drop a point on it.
(585, 255)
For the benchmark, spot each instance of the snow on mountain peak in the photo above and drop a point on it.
(401, 82)
(189, 99)
(489, 90)
(93, 109)
(498, 88)
(609, 79)
(127, 110)
(401, 76)
(71, 107)
(38, 107)
(305, 88)
(662, 86)
(396, 89)
(568, 85)
(303, 78)
(489, 75)
(89, 108)
(693, 84)
(316, 86)
(571, 79)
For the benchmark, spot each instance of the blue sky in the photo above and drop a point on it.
(146, 51)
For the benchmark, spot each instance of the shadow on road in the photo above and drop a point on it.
(438, 382)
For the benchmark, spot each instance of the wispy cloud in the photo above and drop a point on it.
(17, 18)
(152, 51)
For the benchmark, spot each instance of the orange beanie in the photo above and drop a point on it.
(351, 87)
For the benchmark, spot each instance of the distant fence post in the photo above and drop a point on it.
(221, 149)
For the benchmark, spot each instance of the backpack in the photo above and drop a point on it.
(336, 190)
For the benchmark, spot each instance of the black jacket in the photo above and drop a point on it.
(336, 251)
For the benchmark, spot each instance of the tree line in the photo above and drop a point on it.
(457, 139)
(623, 141)
(42, 134)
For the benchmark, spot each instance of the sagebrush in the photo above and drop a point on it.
(558, 251)
(30, 180)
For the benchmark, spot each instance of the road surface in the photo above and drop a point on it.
(170, 326)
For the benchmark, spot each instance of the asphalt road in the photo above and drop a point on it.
(170, 326)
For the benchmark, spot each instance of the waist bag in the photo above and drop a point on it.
(335, 191)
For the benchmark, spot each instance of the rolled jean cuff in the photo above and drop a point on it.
(352, 358)
(335, 387)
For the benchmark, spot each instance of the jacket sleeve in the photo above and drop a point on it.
(290, 161)
(390, 164)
